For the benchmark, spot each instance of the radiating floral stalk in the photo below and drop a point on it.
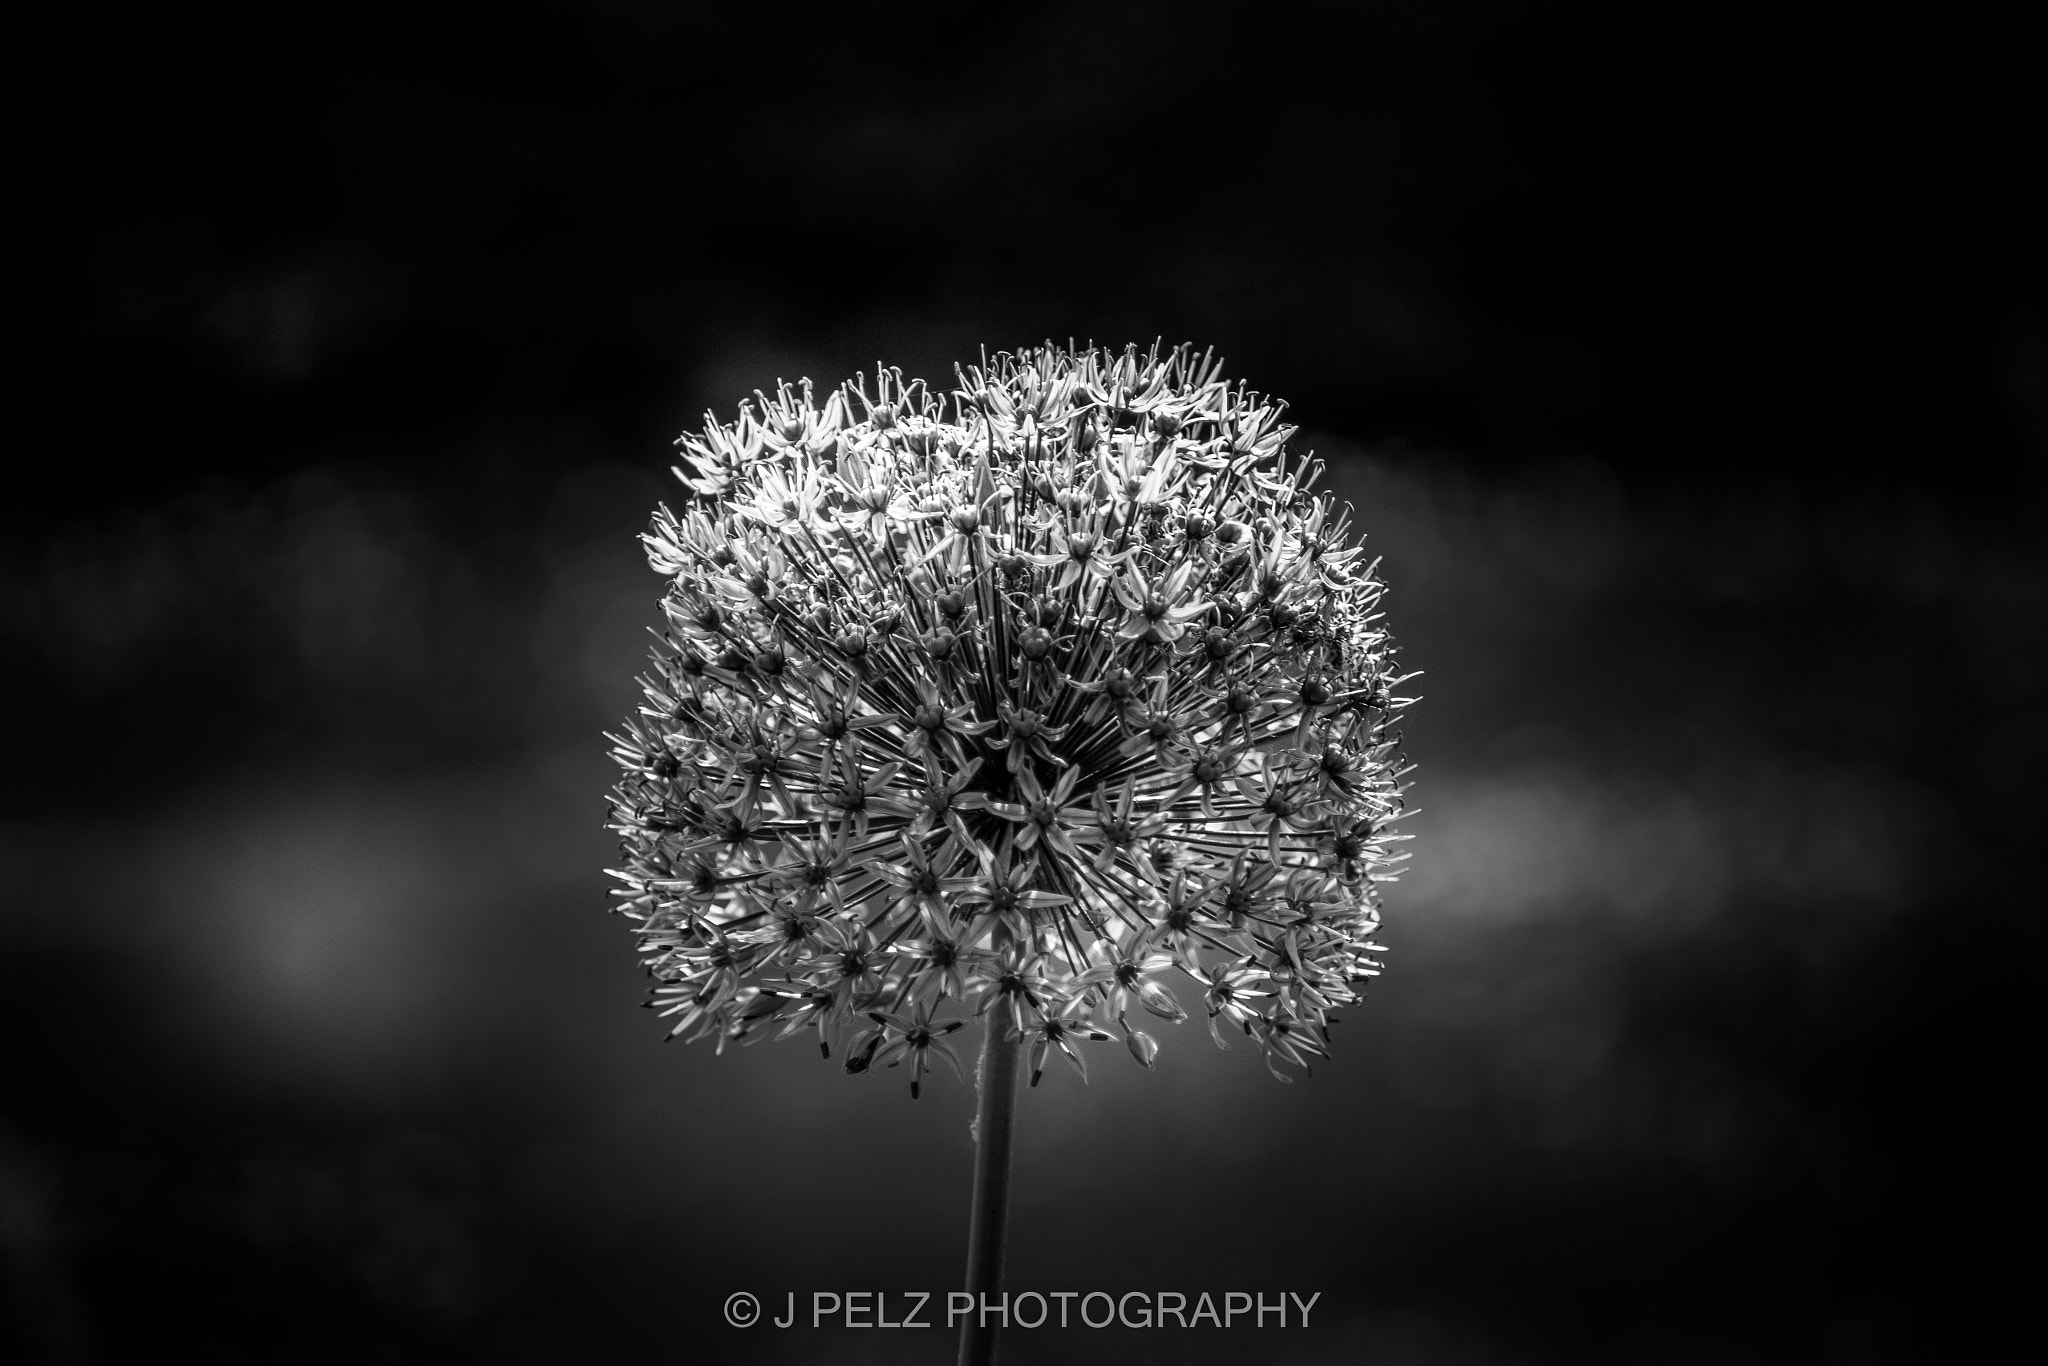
(1010, 702)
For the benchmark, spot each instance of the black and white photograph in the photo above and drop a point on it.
(1056, 683)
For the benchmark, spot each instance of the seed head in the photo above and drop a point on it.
(1030, 697)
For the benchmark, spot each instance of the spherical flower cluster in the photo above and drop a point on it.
(1031, 698)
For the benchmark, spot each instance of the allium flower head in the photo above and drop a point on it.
(1026, 700)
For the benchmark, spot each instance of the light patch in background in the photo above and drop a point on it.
(1662, 855)
(285, 326)
(590, 633)
(326, 580)
(329, 932)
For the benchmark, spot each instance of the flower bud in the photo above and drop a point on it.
(1159, 1001)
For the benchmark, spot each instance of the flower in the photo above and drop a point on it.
(1049, 817)
(1158, 612)
(1059, 1029)
(932, 724)
(1010, 701)
(1028, 734)
(919, 885)
(915, 1037)
(1009, 897)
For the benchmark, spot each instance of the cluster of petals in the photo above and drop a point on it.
(1057, 698)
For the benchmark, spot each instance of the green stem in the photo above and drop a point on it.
(994, 1120)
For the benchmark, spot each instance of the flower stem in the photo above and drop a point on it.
(994, 1116)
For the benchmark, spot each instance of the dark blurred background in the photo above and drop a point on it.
(1691, 374)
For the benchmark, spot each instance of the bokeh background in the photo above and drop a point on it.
(1691, 376)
